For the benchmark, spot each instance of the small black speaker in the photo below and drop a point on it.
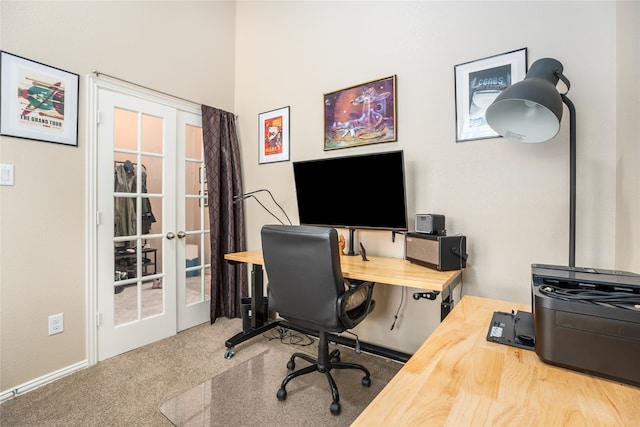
(430, 224)
(438, 252)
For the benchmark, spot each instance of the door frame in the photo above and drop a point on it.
(94, 84)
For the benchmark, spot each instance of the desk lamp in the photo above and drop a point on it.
(530, 111)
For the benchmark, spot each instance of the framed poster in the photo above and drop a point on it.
(361, 114)
(477, 84)
(273, 136)
(37, 101)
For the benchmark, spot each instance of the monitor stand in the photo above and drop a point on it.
(352, 232)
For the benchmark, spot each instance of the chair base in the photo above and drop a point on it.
(323, 364)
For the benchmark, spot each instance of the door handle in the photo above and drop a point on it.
(170, 236)
(181, 234)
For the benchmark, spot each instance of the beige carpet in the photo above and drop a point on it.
(131, 389)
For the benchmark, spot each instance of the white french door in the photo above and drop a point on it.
(152, 222)
(194, 274)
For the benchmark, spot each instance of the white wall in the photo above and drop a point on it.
(509, 199)
(183, 48)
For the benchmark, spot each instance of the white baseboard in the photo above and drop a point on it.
(45, 379)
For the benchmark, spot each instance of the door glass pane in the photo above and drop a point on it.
(125, 130)
(152, 257)
(194, 178)
(193, 149)
(152, 297)
(124, 218)
(125, 260)
(152, 294)
(151, 191)
(152, 166)
(193, 208)
(193, 274)
(124, 171)
(125, 304)
(193, 252)
(152, 134)
(156, 208)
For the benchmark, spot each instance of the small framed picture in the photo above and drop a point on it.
(273, 139)
(477, 84)
(38, 101)
(361, 114)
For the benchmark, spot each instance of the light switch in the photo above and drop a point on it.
(6, 175)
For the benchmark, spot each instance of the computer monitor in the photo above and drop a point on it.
(354, 192)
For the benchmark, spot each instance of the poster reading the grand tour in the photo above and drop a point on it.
(38, 101)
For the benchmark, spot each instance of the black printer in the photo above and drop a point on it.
(588, 320)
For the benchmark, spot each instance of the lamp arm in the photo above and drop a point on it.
(572, 179)
(566, 81)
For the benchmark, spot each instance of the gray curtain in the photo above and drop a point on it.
(222, 162)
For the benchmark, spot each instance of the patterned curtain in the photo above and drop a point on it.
(222, 163)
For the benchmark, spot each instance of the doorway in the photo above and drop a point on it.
(152, 261)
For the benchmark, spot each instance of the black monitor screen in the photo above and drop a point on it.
(365, 191)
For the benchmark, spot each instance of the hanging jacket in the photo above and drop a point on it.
(125, 207)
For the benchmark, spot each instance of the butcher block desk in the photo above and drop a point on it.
(458, 378)
(391, 271)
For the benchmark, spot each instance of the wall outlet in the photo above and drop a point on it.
(56, 323)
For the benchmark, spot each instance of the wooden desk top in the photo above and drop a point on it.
(392, 271)
(250, 257)
(458, 378)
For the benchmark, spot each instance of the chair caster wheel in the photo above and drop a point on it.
(366, 381)
(335, 408)
(291, 365)
(229, 353)
(282, 394)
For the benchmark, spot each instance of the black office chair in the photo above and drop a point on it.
(307, 289)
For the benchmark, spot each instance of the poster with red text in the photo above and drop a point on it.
(273, 139)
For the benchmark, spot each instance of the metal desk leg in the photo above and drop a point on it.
(446, 305)
(257, 296)
(447, 298)
(258, 314)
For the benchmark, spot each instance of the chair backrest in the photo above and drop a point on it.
(302, 264)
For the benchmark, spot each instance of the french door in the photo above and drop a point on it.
(152, 235)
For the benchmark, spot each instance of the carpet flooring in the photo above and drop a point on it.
(187, 378)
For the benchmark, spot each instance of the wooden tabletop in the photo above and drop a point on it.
(392, 271)
(249, 257)
(458, 378)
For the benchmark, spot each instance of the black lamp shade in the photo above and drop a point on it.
(530, 110)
